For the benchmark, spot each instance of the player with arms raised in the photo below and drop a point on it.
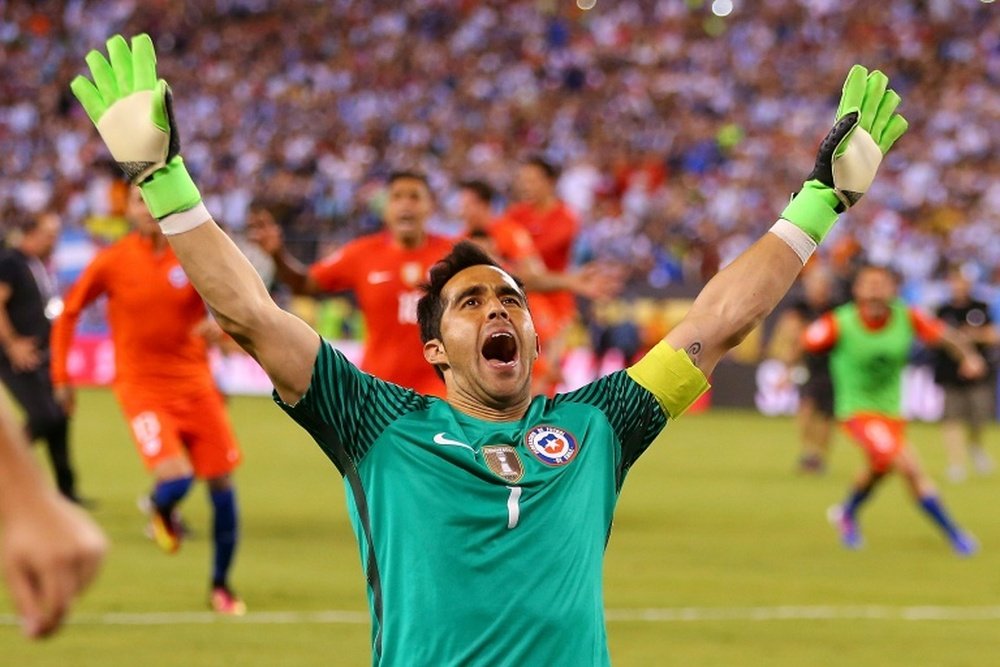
(482, 519)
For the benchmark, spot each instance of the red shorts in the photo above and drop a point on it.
(882, 438)
(189, 424)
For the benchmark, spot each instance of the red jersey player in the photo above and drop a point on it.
(553, 227)
(384, 271)
(162, 382)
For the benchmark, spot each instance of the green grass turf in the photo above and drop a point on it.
(712, 518)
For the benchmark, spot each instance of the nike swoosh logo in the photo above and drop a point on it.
(440, 439)
(377, 277)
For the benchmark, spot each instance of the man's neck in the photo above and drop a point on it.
(492, 413)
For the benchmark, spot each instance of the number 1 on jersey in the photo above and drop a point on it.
(513, 506)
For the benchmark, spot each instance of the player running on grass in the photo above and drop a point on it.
(384, 271)
(869, 341)
(163, 384)
(482, 519)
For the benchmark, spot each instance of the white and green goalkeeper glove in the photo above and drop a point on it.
(866, 127)
(132, 111)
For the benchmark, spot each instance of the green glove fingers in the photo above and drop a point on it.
(854, 91)
(896, 127)
(890, 100)
(874, 92)
(132, 111)
(143, 62)
(121, 63)
(89, 97)
(104, 77)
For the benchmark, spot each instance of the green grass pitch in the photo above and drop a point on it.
(720, 556)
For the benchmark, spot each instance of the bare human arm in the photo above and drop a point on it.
(131, 108)
(735, 301)
(971, 364)
(740, 296)
(282, 344)
(50, 550)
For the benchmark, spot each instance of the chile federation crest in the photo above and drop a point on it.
(551, 445)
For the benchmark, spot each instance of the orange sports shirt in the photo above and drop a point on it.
(385, 279)
(153, 311)
(553, 232)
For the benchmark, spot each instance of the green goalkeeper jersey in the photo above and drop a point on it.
(482, 542)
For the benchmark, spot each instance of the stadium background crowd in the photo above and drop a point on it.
(680, 132)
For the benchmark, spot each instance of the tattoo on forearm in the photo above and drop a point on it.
(694, 351)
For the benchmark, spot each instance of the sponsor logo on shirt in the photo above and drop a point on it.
(442, 439)
(551, 445)
(504, 462)
(177, 277)
(412, 273)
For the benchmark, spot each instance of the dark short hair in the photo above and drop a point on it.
(873, 266)
(483, 190)
(550, 170)
(408, 175)
(431, 306)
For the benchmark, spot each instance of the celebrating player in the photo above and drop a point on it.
(163, 384)
(869, 340)
(482, 518)
(384, 271)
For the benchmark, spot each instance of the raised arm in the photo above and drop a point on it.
(739, 297)
(133, 113)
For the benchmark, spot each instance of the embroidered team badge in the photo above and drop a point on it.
(504, 462)
(412, 273)
(551, 445)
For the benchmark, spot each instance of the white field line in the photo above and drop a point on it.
(665, 615)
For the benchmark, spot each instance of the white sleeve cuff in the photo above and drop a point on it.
(185, 221)
(797, 240)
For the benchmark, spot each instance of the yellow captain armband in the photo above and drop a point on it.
(671, 377)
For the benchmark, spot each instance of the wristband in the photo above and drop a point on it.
(797, 239)
(185, 221)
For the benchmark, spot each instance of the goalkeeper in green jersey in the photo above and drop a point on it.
(481, 518)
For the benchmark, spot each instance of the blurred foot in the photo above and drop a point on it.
(982, 462)
(166, 531)
(957, 473)
(964, 544)
(850, 536)
(225, 601)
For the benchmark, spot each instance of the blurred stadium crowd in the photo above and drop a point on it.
(680, 133)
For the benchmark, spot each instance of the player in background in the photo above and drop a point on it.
(969, 403)
(512, 245)
(462, 506)
(815, 413)
(50, 550)
(383, 271)
(553, 227)
(163, 384)
(28, 301)
(869, 341)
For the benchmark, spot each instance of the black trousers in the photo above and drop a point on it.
(45, 419)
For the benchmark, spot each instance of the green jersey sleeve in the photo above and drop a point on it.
(631, 410)
(345, 410)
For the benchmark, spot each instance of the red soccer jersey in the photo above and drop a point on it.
(385, 279)
(153, 311)
(553, 232)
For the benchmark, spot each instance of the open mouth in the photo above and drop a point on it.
(500, 349)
